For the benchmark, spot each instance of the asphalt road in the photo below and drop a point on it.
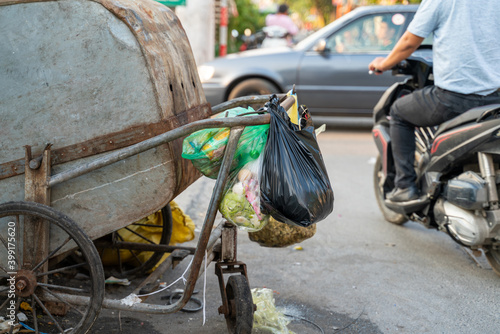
(358, 274)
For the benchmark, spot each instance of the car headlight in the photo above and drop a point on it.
(206, 72)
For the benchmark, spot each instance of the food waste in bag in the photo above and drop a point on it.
(276, 234)
(241, 202)
(205, 148)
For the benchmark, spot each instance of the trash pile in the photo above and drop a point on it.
(278, 185)
(267, 317)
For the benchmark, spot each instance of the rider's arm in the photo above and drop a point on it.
(406, 45)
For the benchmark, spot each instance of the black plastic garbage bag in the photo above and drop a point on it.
(295, 188)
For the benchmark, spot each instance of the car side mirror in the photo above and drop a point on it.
(320, 46)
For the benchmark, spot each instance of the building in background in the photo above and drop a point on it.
(198, 17)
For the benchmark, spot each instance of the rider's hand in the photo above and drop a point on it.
(376, 65)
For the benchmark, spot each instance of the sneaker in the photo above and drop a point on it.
(399, 195)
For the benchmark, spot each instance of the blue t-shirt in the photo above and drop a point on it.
(466, 47)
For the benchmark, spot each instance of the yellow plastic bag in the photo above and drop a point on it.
(293, 112)
(182, 231)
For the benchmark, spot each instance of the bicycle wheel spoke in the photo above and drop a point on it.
(61, 269)
(33, 311)
(4, 303)
(62, 288)
(4, 288)
(135, 256)
(139, 235)
(51, 254)
(4, 242)
(119, 260)
(39, 302)
(61, 300)
(4, 270)
(131, 252)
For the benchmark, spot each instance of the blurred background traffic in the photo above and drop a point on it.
(246, 19)
(320, 47)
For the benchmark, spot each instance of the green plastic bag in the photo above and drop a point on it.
(205, 148)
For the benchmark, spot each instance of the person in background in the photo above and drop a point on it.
(466, 58)
(385, 32)
(282, 19)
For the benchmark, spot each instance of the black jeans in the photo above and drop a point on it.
(429, 106)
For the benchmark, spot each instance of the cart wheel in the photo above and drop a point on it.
(138, 267)
(53, 301)
(240, 304)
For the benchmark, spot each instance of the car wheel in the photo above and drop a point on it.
(253, 87)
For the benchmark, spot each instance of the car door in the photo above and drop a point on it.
(335, 81)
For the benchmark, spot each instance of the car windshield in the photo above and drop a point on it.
(366, 27)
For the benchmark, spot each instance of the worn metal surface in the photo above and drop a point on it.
(36, 231)
(99, 144)
(229, 243)
(89, 77)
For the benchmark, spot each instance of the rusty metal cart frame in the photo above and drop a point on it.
(213, 244)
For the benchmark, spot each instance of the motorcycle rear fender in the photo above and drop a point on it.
(461, 143)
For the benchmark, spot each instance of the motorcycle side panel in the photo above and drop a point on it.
(460, 144)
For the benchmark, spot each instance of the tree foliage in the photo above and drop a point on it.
(248, 17)
(326, 9)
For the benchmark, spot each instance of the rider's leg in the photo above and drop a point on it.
(429, 106)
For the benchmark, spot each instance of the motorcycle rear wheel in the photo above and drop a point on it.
(389, 215)
(493, 257)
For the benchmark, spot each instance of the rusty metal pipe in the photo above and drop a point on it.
(217, 193)
(154, 142)
(241, 101)
(148, 247)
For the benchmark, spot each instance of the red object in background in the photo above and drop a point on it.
(223, 28)
(224, 17)
(222, 50)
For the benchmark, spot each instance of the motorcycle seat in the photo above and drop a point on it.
(475, 114)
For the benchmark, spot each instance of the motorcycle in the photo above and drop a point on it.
(457, 166)
(276, 36)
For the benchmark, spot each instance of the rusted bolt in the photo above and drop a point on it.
(111, 142)
(84, 149)
(20, 285)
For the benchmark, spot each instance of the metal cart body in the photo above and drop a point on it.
(91, 77)
(95, 99)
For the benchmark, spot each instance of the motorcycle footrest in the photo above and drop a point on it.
(408, 207)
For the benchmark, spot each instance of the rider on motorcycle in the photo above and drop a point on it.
(283, 20)
(466, 58)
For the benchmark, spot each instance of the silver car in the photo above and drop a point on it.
(329, 68)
